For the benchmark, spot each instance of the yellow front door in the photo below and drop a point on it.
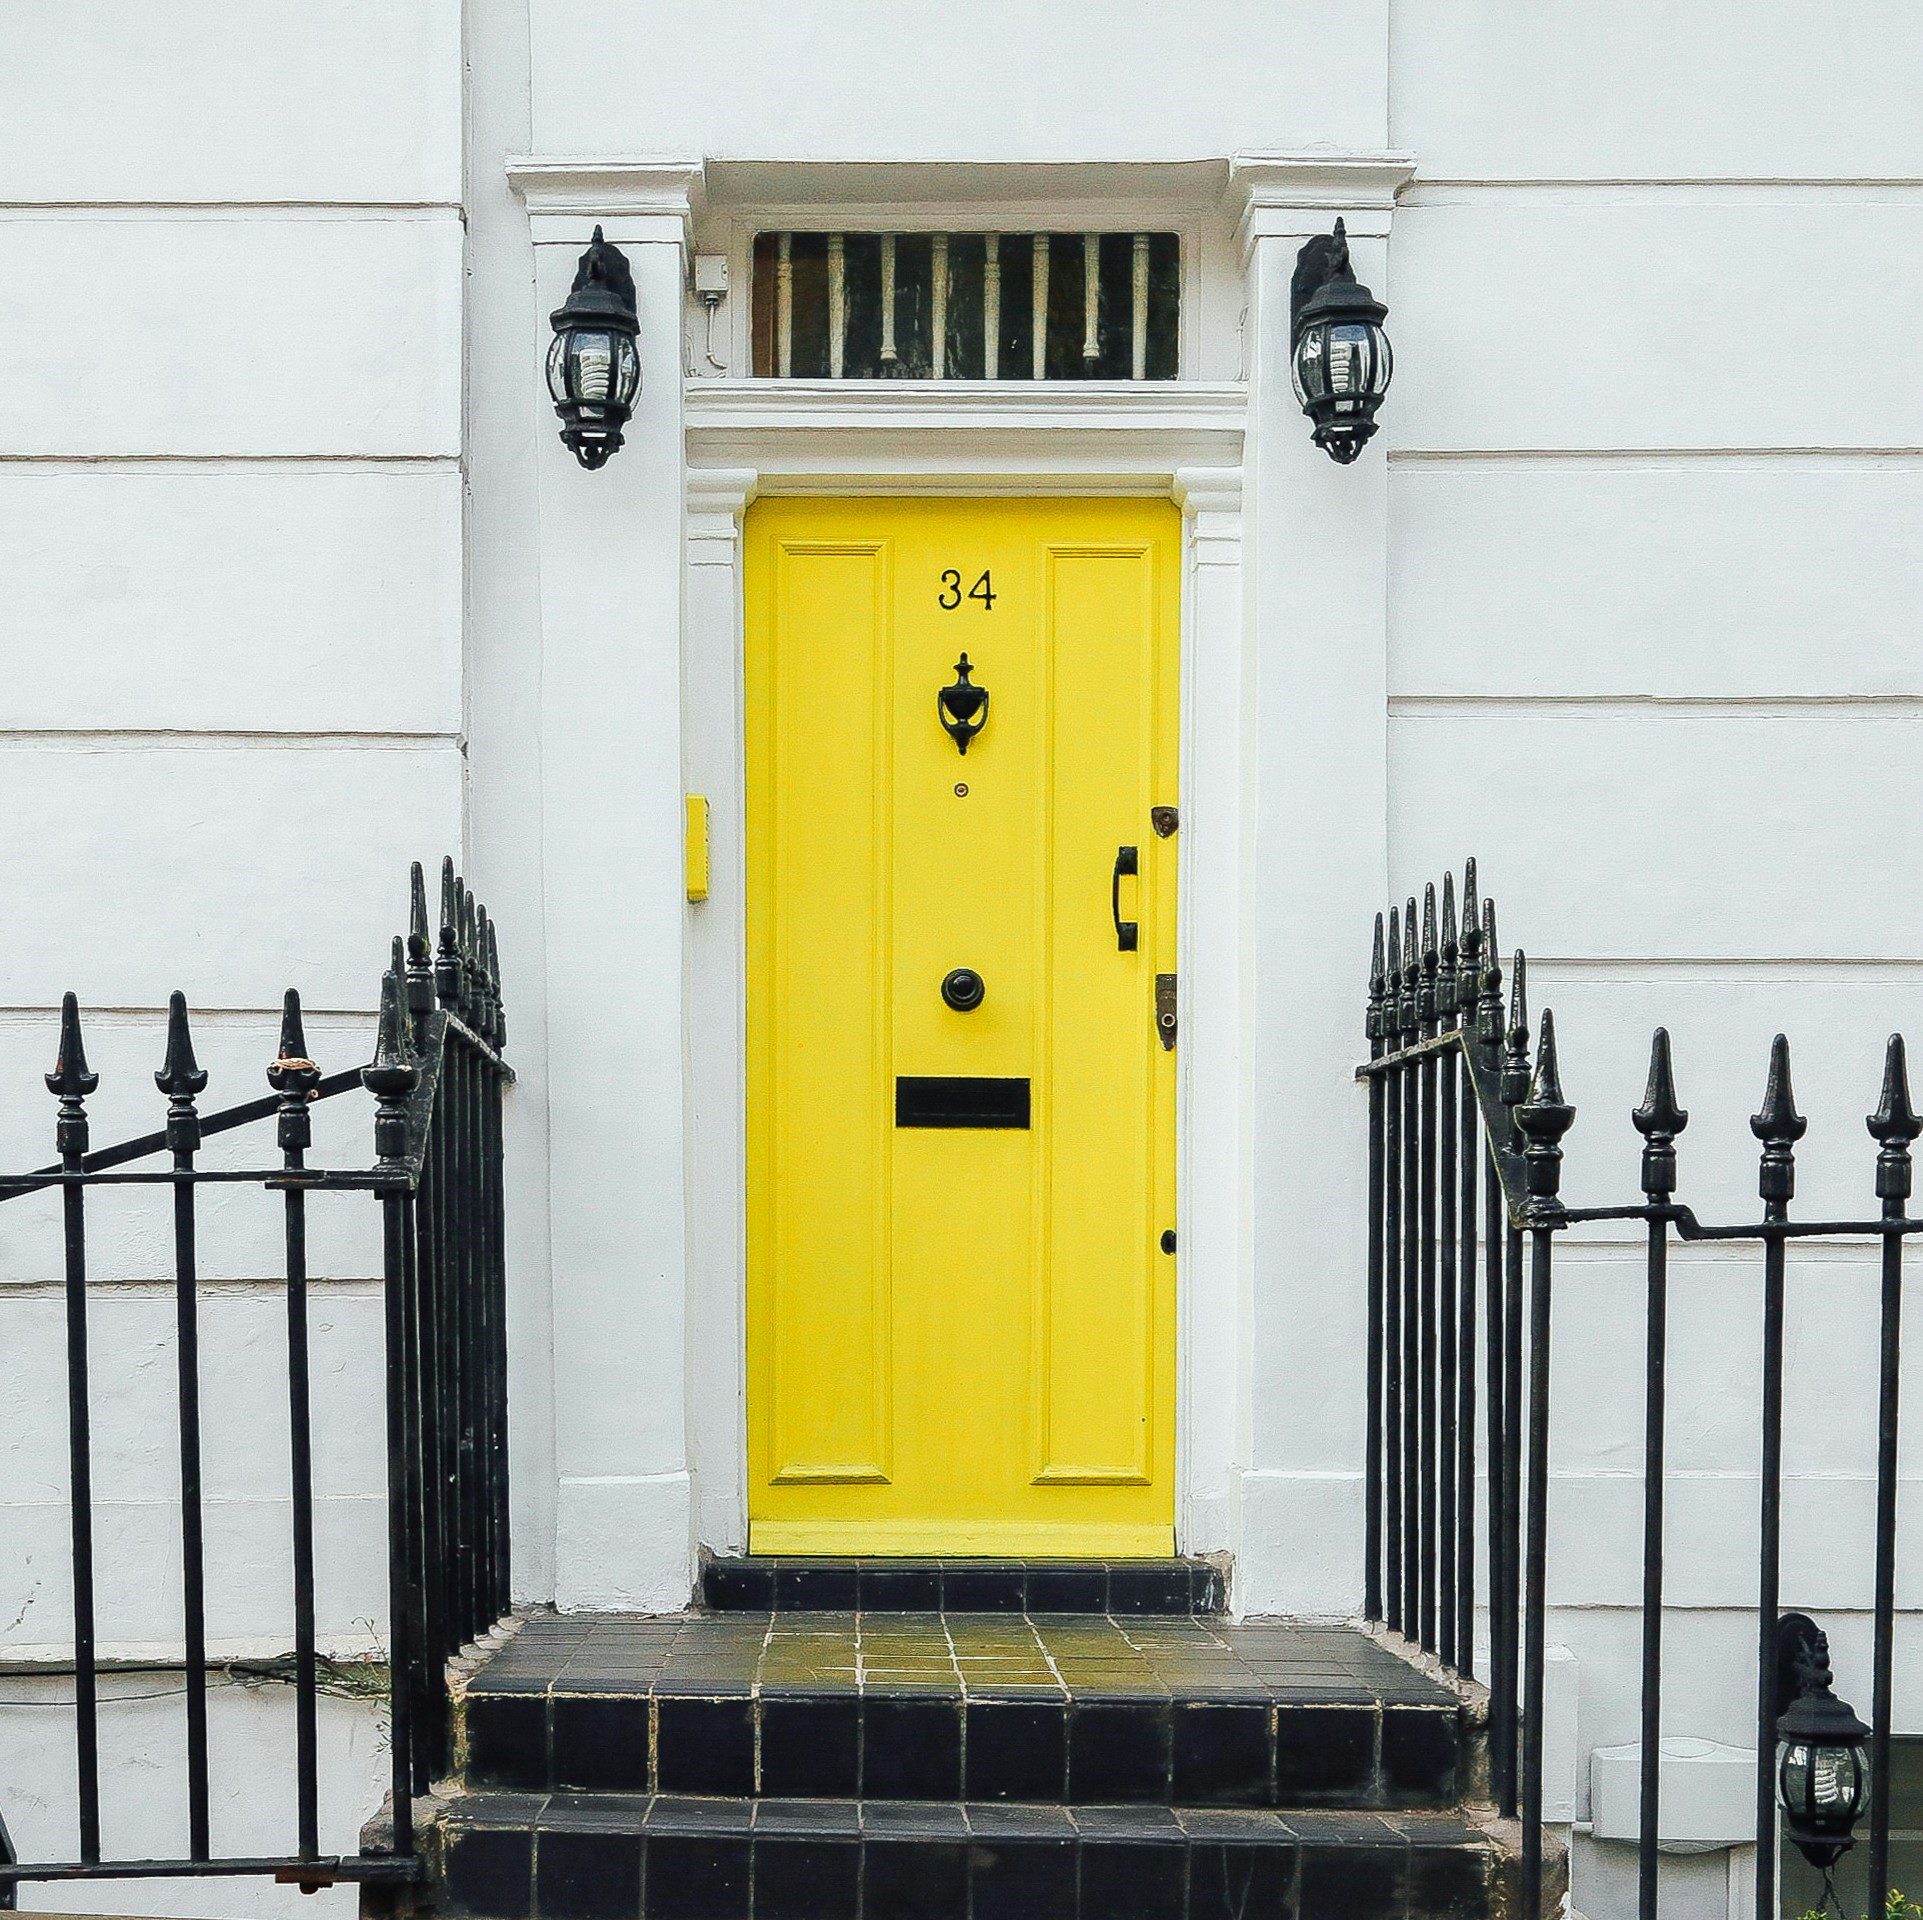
(961, 1320)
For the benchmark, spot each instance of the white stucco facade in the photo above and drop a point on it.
(300, 584)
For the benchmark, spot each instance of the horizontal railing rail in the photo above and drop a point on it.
(437, 1077)
(1465, 1173)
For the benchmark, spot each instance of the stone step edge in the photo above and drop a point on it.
(1188, 1586)
(509, 1857)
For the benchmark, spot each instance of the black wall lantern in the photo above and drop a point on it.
(593, 372)
(1339, 355)
(1822, 1770)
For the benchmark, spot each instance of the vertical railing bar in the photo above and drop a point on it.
(837, 305)
(991, 306)
(1411, 1292)
(1394, 1492)
(1431, 1353)
(72, 1081)
(1138, 308)
(1091, 297)
(181, 1078)
(1038, 301)
(1541, 1119)
(1514, 1086)
(1536, 1595)
(1448, 1627)
(1659, 1120)
(293, 1076)
(938, 309)
(1894, 1125)
(1372, 1422)
(1467, 1163)
(1779, 1127)
(502, 1592)
(890, 354)
(785, 305)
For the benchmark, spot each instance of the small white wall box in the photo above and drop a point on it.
(1708, 1795)
(711, 276)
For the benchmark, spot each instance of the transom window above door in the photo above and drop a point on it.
(966, 306)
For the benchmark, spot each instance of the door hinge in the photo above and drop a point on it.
(1165, 1008)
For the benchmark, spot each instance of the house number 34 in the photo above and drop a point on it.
(951, 595)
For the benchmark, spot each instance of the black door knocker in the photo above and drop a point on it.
(963, 707)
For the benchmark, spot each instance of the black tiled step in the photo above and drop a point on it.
(929, 1707)
(1132, 1588)
(599, 1857)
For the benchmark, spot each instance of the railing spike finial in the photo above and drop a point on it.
(484, 985)
(180, 1078)
(391, 1075)
(1469, 968)
(447, 959)
(1515, 1057)
(1431, 964)
(1778, 1126)
(1446, 996)
(293, 1074)
(1544, 1117)
(1372, 1024)
(420, 947)
(1659, 1120)
(1489, 988)
(493, 958)
(1391, 980)
(1894, 1124)
(469, 995)
(72, 1080)
(1411, 973)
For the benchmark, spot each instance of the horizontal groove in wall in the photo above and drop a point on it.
(1761, 706)
(361, 1287)
(142, 739)
(1739, 458)
(32, 1012)
(335, 462)
(1712, 188)
(230, 209)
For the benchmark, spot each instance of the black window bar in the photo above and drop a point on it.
(437, 1077)
(1455, 1101)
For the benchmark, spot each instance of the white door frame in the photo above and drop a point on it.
(840, 441)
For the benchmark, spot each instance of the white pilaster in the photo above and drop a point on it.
(611, 790)
(714, 733)
(1215, 1006)
(1317, 603)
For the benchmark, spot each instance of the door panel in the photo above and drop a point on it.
(961, 1338)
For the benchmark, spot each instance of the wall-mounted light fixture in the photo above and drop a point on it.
(593, 372)
(1339, 355)
(1822, 1771)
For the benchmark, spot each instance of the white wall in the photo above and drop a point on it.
(231, 548)
(1652, 572)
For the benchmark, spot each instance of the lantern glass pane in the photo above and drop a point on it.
(1310, 366)
(627, 370)
(1351, 358)
(593, 365)
(558, 369)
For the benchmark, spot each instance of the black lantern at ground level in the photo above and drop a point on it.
(1822, 1770)
(593, 371)
(1339, 355)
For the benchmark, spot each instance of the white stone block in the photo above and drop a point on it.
(257, 599)
(1706, 1794)
(270, 334)
(1686, 319)
(229, 872)
(232, 100)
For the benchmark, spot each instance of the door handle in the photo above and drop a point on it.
(1127, 861)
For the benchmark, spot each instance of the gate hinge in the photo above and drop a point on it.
(1165, 1008)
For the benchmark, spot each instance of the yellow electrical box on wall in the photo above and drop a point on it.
(695, 833)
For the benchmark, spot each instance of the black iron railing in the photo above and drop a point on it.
(437, 1078)
(1465, 1171)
